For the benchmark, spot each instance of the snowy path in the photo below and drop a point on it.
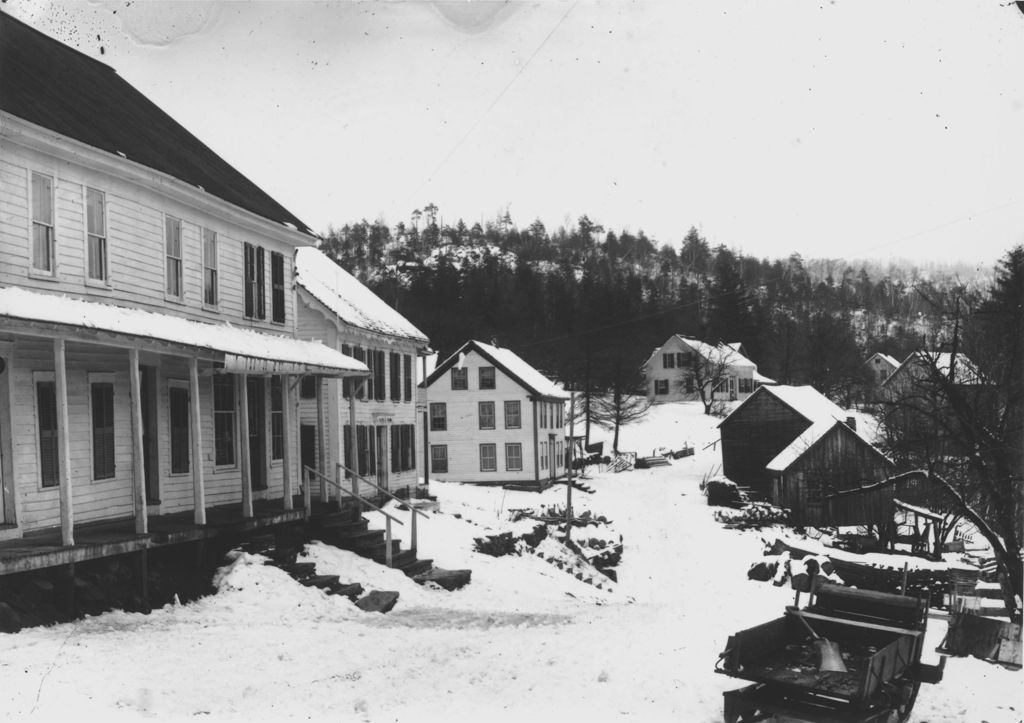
(523, 642)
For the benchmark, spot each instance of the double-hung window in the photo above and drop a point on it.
(439, 458)
(438, 416)
(460, 379)
(487, 377)
(43, 240)
(277, 287)
(210, 293)
(488, 457)
(96, 234)
(668, 361)
(276, 418)
(513, 415)
(486, 410)
(513, 456)
(224, 419)
(661, 386)
(407, 376)
(254, 293)
(172, 245)
(102, 401)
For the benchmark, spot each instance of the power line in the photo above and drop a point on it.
(494, 102)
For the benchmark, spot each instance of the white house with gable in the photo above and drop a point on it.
(675, 371)
(494, 419)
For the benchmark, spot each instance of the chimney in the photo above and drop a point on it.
(851, 422)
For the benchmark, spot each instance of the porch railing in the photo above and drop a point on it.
(356, 478)
(312, 475)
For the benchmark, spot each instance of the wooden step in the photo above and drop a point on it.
(298, 570)
(376, 553)
(352, 591)
(321, 581)
(359, 540)
(402, 557)
(416, 567)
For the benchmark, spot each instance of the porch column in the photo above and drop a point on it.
(138, 466)
(286, 436)
(353, 439)
(536, 446)
(242, 385)
(67, 513)
(198, 483)
(325, 491)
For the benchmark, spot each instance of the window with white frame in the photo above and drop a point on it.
(460, 379)
(101, 399)
(179, 425)
(543, 455)
(486, 413)
(96, 234)
(668, 361)
(438, 416)
(172, 243)
(210, 292)
(487, 377)
(43, 239)
(439, 458)
(661, 386)
(488, 457)
(513, 415)
(224, 420)
(253, 272)
(513, 456)
(276, 418)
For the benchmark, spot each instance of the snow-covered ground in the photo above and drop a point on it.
(524, 641)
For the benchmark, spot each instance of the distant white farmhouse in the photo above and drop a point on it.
(675, 371)
(494, 419)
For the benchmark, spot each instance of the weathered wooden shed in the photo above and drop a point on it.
(760, 427)
(796, 447)
(831, 457)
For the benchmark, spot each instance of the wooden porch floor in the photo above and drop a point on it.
(43, 548)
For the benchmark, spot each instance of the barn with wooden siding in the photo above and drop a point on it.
(797, 447)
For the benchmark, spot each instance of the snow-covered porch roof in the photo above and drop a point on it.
(239, 350)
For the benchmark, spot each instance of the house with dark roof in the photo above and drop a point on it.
(375, 416)
(494, 419)
(798, 448)
(149, 353)
(676, 370)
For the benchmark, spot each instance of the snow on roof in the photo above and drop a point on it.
(509, 362)
(966, 372)
(243, 348)
(344, 295)
(515, 365)
(762, 379)
(817, 409)
(728, 353)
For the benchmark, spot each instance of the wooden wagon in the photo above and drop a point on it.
(880, 637)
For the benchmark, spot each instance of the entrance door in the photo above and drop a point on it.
(552, 457)
(150, 466)
(382, 457)
(257, 432)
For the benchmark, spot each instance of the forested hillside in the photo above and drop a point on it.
(588, 305)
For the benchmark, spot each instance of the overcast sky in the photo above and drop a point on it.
(845, 128)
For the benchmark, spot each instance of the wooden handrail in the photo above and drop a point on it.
(378, 488)
(312, 472)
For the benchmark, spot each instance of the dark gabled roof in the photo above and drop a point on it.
(509, 363)
(55, 86)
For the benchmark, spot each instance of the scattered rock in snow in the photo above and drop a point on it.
(448, 579)
(378, 601)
